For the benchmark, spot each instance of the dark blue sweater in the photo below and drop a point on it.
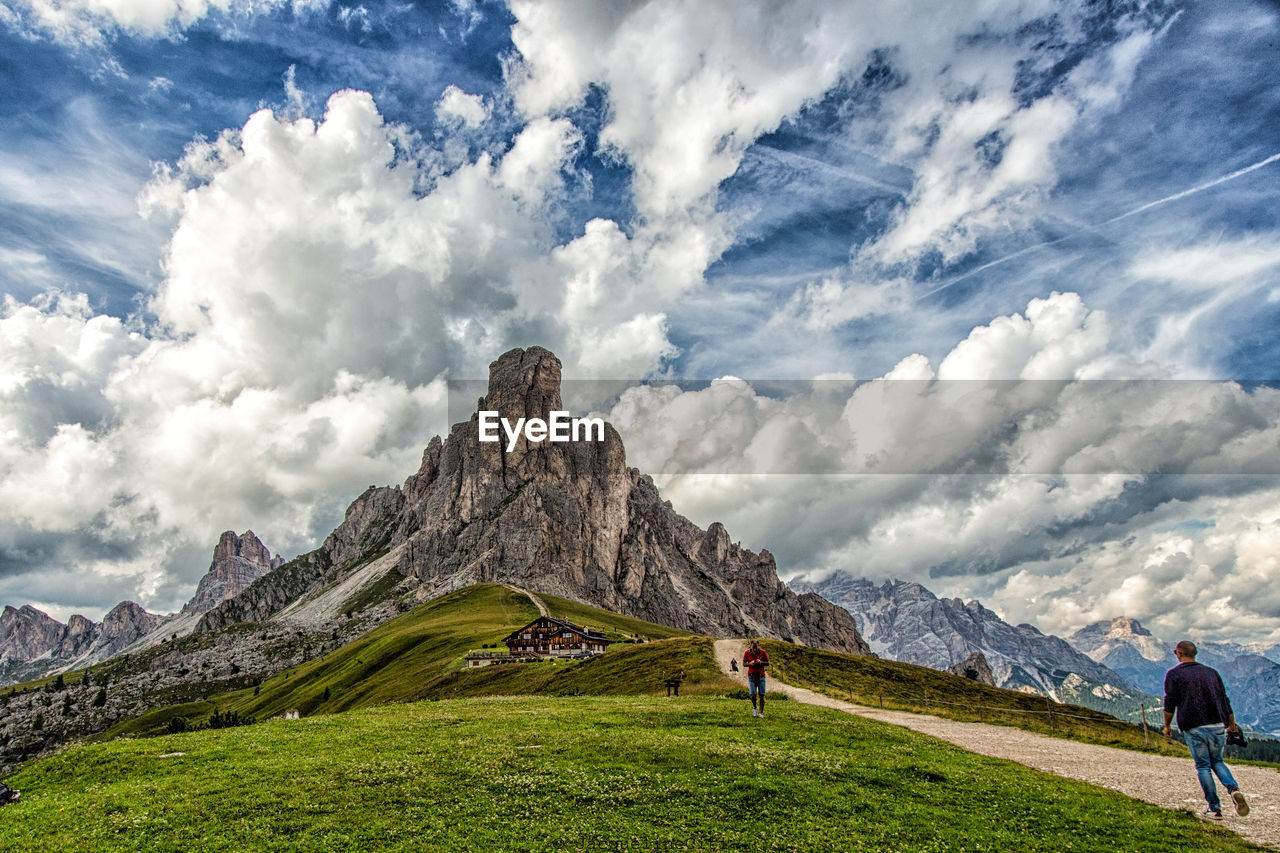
(1196, 691)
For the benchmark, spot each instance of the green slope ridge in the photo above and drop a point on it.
(902, 686)
(419, 654)
(573, 774)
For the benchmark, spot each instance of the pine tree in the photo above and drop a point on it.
(59, 683)
(38, 722)
(101, 698)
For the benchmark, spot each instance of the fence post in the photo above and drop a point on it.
(926, 700)
(1146, 737)
(1048, 703)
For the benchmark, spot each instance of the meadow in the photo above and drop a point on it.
(573, 774)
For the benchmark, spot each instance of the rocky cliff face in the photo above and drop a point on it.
(567, 519)
(27, 633)
(238, 561)
(124, 624)
(1253, 683)
(906, 622)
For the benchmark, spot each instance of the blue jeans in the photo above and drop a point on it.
(755, 684)
(1206, 744)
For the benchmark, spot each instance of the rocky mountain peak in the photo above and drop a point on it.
(1123, 626)
(26, 633)
(566, 518)
(238, 561)
(524, 383)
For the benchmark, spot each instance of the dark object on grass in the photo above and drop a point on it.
(1236, 738)
(8, 795)
(673, 686)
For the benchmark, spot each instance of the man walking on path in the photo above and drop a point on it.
(1195, 691)
(756, 659)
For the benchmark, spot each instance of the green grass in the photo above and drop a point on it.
(571, 774)
(420, 655)
(613, 625)
(625, 670)
(902, 686)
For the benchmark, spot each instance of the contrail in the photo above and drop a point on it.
(1200, 188)
(1231, 177)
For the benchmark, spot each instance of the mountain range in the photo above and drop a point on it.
(34, 644)
(1251, 674)
(565, 519)
(906, 622)
(1113, 665)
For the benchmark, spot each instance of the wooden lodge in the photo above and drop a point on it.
(545, 636)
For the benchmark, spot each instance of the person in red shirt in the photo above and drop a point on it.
(755, 659)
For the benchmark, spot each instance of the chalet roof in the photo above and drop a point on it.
(560, 625)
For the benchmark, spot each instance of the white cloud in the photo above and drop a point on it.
(314, 300)
(457, 105)
(86, 21)
(992, 489)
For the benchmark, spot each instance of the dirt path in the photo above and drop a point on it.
(537, 602)
(1161, 779)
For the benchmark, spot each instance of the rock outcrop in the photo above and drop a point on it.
(238, 561)
(567, 519)
(975, 667)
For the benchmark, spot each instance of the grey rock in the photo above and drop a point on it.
(906, 622)
(238, 561)
(1253, 684)
(568, 519)
(27, 633)
(975, 667)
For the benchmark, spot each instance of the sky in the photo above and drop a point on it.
(988, 291)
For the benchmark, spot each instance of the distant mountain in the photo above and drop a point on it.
(1125, 646)
(1252, 680)
(907, 622)
(34, 644)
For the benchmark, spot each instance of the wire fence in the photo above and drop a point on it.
(977, 708)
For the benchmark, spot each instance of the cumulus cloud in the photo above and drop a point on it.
(1039, 480)
(457, 105)
(314, 300)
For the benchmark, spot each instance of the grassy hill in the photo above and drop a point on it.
(573, 774)
(902, 686)
(420, 654)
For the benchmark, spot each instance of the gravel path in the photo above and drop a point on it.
(537, 602)
(1164, 780)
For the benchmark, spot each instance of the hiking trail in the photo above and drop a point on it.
(1166, 781)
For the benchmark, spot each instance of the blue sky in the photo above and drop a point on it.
(243, 246)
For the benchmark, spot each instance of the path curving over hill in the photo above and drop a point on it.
(537, 602)
(1164, 780)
